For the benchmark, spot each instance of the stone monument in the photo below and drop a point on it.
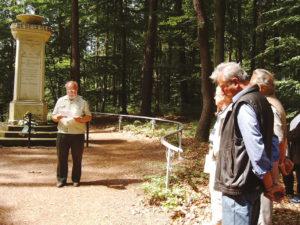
(29, 81)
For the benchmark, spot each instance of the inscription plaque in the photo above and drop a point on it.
(30, 70)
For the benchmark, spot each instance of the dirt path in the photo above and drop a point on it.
(110, 194)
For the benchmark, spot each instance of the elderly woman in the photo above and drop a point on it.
(222, 102)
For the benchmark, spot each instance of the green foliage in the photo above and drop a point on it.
(161, 129)
(182, 187)
(279, 27)
(103, 60)
(190, 129)
(159, 195)
(288, 92)
(175, 20)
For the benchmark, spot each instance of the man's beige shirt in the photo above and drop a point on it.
(69, 109)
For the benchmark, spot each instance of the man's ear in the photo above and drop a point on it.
(263, 89)
(235, 81)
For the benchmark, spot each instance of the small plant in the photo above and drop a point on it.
(158, 194)
(186, 179)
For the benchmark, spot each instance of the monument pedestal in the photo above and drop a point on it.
(29, 69)
(17, 109)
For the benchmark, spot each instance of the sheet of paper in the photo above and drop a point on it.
(67, 113)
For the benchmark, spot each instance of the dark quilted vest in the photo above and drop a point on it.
(234, 174)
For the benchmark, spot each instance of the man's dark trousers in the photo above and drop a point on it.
(64, 143)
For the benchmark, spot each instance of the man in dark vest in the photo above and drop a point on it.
(244, 165)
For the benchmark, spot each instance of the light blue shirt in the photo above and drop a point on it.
(252, 137)
(275, 148)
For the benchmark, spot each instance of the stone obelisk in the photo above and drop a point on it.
(29, 82)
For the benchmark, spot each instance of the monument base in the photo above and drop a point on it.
(17, 110)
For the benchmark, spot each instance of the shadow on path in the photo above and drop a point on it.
(113, 183)
(107, 141)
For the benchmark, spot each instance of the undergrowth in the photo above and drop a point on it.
(182, 189)
(186, 176)
(185, 180)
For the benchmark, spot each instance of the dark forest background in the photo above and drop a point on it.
(154, 57)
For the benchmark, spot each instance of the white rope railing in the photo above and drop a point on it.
(170, 148)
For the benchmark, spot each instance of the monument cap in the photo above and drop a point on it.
(30, 18)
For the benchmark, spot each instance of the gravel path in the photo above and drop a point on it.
(110, 193)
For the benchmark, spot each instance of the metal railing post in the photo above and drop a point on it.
(170, 154)
(179, 143)
(120, 122)
(152, 124)
(168, 167)
(87, 134)
(29, 129)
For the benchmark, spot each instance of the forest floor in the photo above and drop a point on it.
(114, 168)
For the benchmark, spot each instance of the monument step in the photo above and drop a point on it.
(19, 134)
(36, 128)
(5, 141)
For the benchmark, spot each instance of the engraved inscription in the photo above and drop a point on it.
(31, 69)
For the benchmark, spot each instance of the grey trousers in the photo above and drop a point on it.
(266, 209)
(266, 205)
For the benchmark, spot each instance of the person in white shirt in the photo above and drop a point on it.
(222, 102)
(265, 80)
(71, 112)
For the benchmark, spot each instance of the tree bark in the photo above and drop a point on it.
(149, 54)
(183, 87)
(124, 78)
(239, 33)
(219, 26)
(202, 131)
(230, 30)
(253, 49)
(75, 55)
(168, 74)
(114, 62)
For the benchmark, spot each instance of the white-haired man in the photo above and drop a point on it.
(244, 163)
(71, 112)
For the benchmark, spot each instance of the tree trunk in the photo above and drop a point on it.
(253, 49)
(75, 57)
(149, 54)
(124, 87)
(168, 74)
(105, 75)
(219, 25)
(183, 87)
(239, 33)
(202, 131)
(114, 62)
(230, 30)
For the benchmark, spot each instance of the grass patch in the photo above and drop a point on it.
(183, 186)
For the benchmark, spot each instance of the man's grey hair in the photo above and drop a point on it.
(264, 77)
(71, 83)
(229, 70)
